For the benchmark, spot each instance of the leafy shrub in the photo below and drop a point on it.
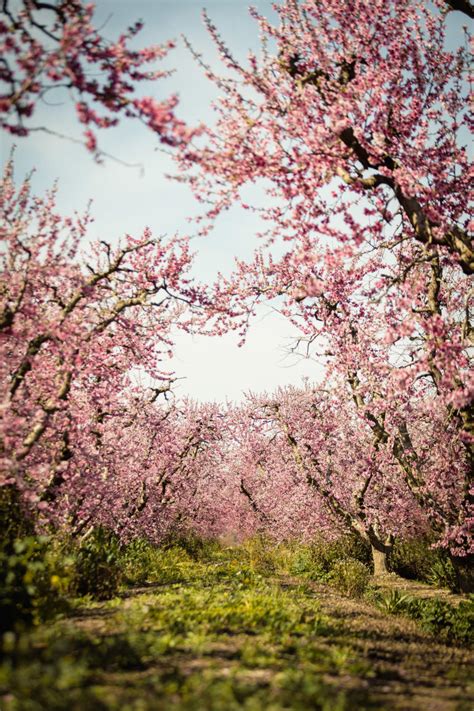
(197, 548)
(441, 573)
(438, 617)
(350, 576)
(141, 562)
(415, 559)
(321, 556)
(302, 561)
(261, 554)
(33, 581)
(14, 522)
(411, 558)
(450, 622)
(462, 622)
(330, 553)
(97, 566)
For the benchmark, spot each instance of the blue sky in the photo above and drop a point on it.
(126, 200)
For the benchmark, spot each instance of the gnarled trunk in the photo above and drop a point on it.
(379, 558)
(380, 552)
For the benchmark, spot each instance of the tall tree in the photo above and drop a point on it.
(79, 332)
(355, 119)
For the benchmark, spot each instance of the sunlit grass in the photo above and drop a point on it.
(211, 633)
(196, 625)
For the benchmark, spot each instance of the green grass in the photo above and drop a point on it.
(207, 634)
(450, 623)
(196, 626)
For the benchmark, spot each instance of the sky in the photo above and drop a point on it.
(126, 199)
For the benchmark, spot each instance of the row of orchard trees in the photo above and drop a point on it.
(89, 439)
(85, 437)
(355, 120)
(308, 463)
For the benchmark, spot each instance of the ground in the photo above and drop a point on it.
(215, 635)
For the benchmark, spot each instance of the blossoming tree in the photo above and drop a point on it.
(78, 335)
(47, 47)
(355, 121)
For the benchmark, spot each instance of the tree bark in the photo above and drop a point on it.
(463, 6)
(380, 552)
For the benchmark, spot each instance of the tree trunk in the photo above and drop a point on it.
(380, 552)
(464, 570)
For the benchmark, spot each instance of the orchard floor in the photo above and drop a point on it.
(216, 636)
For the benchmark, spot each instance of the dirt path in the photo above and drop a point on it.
(416, 589)
(411, 671)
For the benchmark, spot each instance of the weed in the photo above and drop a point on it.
(441, 573)
(350, 576)
(393, 602)
(448, 622)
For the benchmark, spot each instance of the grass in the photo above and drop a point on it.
(210, 635)
(208, 628)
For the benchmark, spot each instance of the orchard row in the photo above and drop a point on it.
(355, 121)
